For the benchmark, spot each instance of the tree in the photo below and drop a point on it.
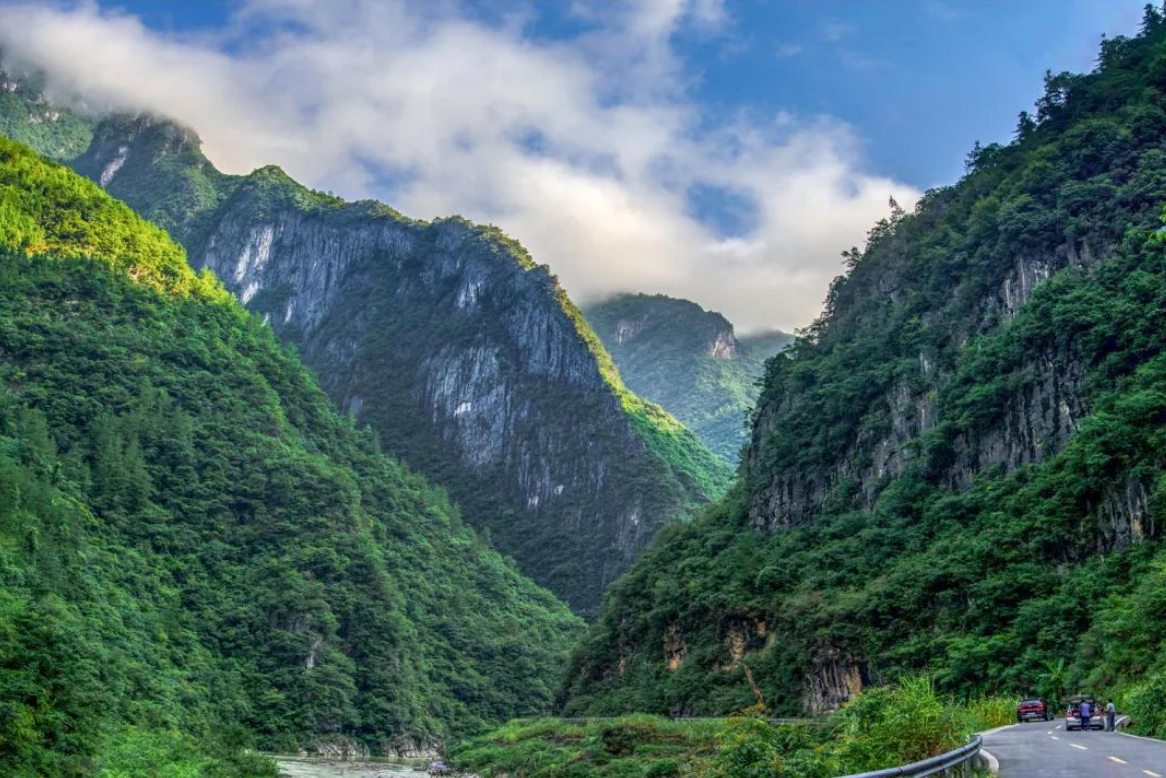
(851, 258)
(1025, 127)
(1151, 19)
(1056, 94)
(1054, 681)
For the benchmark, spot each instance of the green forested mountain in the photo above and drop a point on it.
(26, 116)
(192, 541)
(689, 360)
(959, 467)
(465, 356)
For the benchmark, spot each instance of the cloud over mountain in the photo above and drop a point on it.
(587, 145)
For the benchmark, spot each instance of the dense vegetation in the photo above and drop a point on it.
(192, 541)
(867, 735)
(158, 168)
(688, 360)
(1037, 572)
(26, 116)
(641, 464)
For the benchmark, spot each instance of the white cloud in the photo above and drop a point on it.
(834, 30)
(584, 148)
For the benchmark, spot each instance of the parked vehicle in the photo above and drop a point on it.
(1033, 710)
(1073, 713)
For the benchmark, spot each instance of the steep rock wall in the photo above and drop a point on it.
(1034, 420)
(464, 355)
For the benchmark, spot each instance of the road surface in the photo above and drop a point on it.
(1046, 750)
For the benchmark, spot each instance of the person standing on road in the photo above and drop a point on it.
(1084, 712)
(1110, 715)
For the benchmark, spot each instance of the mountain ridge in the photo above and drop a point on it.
(482, 406)
(197, 552)
(689, 360)
(957, 469)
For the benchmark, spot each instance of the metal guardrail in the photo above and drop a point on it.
(933, 766)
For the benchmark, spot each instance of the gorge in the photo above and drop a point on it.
(282, 472)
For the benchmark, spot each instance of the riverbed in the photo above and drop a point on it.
(294, 767)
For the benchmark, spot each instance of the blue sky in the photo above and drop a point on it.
(921, 79)
(725, 152)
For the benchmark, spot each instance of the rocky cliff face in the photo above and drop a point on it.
(688, 360)
(1038, 414)
(447, 338)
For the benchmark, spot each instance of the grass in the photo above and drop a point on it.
(882, 727)
(991, 712)
(624, 747)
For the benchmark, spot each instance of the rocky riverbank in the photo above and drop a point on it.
(304, 767)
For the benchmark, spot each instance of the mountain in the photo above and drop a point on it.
(689, 360)
(28, 117)
(465, 356)
(197, 553)
(958, 469)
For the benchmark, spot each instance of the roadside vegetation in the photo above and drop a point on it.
(882, 727)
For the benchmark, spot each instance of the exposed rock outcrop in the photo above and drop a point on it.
(446, 337)
(832, 683)
(1035, 420)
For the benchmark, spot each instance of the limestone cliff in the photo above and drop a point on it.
(448, 339)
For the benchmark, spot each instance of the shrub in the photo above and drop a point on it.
(663, 768)
(622, 739)
(758, 748)
(894, 725)
(1146, 705)
(991, 712)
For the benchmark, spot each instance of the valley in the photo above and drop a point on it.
(289, 473)
(447, 339)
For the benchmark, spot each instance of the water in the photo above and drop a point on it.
(294, 767)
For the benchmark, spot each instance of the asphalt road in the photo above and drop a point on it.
(1046, 750)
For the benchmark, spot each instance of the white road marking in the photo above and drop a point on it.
(1151, 773)
(1083, 748)
(1139, 737)
(1119, 761)
(998, 729)
(1055, 737)
(1058, 726)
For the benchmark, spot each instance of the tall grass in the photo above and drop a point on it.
(894, 725)
(882, 727)
(991, 712)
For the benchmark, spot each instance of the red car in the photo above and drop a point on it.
(1033, 710)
